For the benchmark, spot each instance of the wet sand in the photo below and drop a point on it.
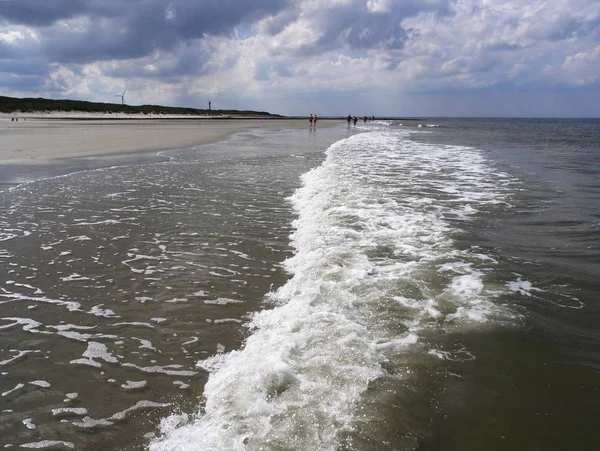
(35, 142)
(37, 148)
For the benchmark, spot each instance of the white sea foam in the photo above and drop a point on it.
(74, 278)
(134, 385)
(227, 320)
(523, 287)
(133, 323)
(24, 285)
(29, 424)
(172, 370)
(68, 411)
(140, 405)
(223, 272)
(91, 423)
(145, 344)
(79, 238)
(20, 355)
(95, 350)
(89, 362)
(47, 444)
(375, 266)
(526, 288)
(143, 299)
(71, 305)
(17, 387)
(106, 313)
(81, 222)
(222, 301)
(189, 342)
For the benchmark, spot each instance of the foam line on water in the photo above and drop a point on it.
(375, 267)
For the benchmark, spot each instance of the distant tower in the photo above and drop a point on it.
(209, 102)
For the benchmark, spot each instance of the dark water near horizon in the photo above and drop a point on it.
(428, 285)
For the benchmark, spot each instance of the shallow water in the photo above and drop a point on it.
(118, 280)
(390, 286)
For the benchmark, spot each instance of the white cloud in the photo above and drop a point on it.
(10, 37)
(379, 6)
(583, 67)
(330, 48)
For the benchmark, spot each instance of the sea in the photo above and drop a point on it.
(402, 284)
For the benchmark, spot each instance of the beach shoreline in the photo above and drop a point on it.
(158, 258)
(43, 141)
(33, 148)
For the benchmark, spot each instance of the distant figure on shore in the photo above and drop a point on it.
(355, 120)
(310, 120)
(365, 120)
(348, 119)
(315, 120)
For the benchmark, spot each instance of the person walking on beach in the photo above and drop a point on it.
(355, 120)
(315, 120)
(310, 120)
(348, 119)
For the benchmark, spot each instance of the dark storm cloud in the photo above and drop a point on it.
(171, 67)
(193, 19)
(116, 29)
(30, 83)
(24, 67)
(39, 13)
(7, 51)
(76, 32)
(365, 30)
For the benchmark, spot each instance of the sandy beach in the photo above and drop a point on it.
(36, 141)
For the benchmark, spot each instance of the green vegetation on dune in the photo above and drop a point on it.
(31, 105)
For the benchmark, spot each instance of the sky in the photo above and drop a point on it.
(402, 58)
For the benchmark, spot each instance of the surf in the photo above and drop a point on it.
(376, 275)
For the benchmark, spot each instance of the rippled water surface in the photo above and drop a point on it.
(117, 281)
(401, 285)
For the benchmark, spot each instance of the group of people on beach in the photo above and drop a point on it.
(355, 119)
(312, 119)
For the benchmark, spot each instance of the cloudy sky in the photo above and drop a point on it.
(295, 57)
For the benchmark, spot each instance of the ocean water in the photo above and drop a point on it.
(399, 285)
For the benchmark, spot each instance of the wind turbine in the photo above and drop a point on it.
(122, 97)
